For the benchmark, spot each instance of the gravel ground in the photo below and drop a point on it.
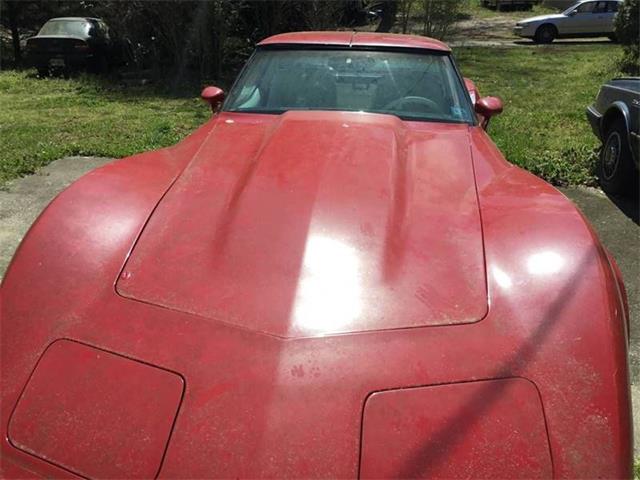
(497, 31)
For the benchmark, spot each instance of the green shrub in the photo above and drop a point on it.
(628, 33)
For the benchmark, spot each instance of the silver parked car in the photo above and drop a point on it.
(584, 19)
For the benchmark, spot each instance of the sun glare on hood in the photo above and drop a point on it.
(545, 263)
(329, 295)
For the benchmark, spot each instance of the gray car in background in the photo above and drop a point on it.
(588, 18)
(615, 120)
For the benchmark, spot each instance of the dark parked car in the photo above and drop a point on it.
(71, 43)
(615, 119)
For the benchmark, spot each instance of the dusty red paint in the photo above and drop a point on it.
(486, 108)
(367, 39)
(60, 399)
(195, 234)
(330, 250)
(474, 94)
(502, 416)
(214, 96)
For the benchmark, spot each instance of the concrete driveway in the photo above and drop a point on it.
(616, 222)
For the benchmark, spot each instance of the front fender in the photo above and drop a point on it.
(100, 210)
(551, 281)
(615, 110)
(67, 264)
(91, 223)
(622, 292)
(619, 109)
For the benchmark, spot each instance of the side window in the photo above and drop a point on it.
(613, 7)
(586, 7)
(601, 7)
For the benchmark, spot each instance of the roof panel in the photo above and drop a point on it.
(364, 39)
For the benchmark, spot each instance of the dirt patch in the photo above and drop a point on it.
(496, 29)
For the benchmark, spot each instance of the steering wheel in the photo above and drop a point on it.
(413, 104)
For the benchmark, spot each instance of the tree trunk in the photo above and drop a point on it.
(389, 10)
(12, 14)
(405, 14)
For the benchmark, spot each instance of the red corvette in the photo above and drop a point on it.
(338, 275)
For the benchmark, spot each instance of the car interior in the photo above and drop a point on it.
(413, 86)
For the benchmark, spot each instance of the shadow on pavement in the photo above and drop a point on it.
(630, 206)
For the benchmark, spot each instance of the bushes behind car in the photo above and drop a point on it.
(628, 34)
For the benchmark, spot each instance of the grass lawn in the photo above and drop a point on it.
(543, 128)
(545, 92)
(45, 119)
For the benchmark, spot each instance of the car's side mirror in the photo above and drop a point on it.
(573, 12)
(473, 91)
(488, 107)
(214, 96)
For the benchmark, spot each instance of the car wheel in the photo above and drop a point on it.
(545, 34)
(616, 172)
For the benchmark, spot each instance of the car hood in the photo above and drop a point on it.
(541, 18)
(313, 223)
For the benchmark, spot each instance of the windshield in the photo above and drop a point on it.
(571, 8)
(74, 28)
(412, 86)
